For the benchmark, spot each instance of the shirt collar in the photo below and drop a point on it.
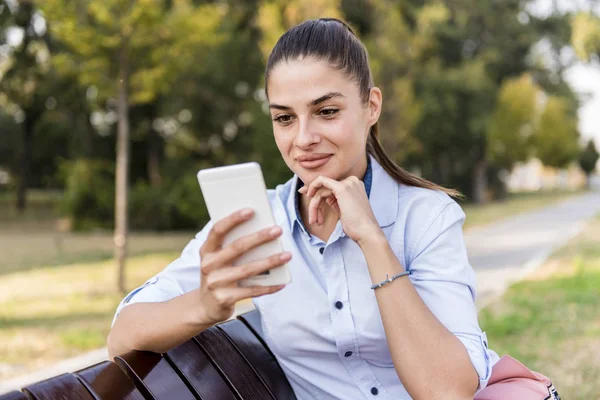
(383, 199)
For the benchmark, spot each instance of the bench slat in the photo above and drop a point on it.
(261, 360)
(199, 372)
(62, 387)
(232, 366)
(153, 376)
(14, 395)
(253, 321)
(106, 381)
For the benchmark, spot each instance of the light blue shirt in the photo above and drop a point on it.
(325, 327)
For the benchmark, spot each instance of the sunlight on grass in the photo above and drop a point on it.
(551, 322)
(53, 313)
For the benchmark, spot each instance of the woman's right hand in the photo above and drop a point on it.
(219, 289)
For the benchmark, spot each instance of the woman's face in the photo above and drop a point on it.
(320, 123)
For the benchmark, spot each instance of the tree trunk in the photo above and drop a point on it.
(121, 194)
(25, 159)
(480, 181)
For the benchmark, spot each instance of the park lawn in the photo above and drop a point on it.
(516, 203)
(52, 313)
(551, 321)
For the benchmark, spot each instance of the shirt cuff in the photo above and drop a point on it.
(477, 347)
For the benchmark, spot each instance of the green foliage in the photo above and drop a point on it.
(89, 192)
(89, 199)
(586, 35)
(9, 143)
(460, 86)
(176, 205)
(159, 37)
(588, 158)
(513, 122)
(557, 138)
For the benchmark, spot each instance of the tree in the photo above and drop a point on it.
(513, 122)
(457, 77)
(556, 139)
(585, 36)
(588, 160)
(24, 81)
(130, 50)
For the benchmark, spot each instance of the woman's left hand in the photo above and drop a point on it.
(349, 199)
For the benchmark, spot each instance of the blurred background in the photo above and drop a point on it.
(108, 108)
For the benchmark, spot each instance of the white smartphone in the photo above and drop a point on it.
(230, 188)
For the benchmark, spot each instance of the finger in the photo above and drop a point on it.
(320, 217)
(336, 206)
(221, 228)
(323, 181)
(254, 291)
(315, 204)
(232, 275)
(234, 250)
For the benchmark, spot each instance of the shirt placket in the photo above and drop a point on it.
(343, 323)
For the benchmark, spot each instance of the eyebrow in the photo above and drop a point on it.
(313, 103)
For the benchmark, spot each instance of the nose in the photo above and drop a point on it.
(306, 135)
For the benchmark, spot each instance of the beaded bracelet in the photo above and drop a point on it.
(388, 279)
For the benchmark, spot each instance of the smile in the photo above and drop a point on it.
(313, 161)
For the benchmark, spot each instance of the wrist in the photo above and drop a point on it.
(197, 315)
(374, 240)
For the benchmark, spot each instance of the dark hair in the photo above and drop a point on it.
(335, 42)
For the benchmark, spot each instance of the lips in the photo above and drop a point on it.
(313, 161)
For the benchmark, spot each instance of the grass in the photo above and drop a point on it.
(551, 321)
(52, 313)
(515, 204)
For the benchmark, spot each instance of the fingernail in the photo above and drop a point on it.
(275, 230)
(285, 256)
(246, 212)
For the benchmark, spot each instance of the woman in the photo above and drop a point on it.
(350, 219)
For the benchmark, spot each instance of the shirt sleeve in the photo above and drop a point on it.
(443, 277)
(179, 277)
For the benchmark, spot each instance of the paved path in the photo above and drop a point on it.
(505, 251)
(500, 253)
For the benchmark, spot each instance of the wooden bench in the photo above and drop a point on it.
(229, 361)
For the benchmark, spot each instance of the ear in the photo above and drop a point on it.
(374, 106)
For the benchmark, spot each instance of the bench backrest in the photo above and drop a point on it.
(227, 361)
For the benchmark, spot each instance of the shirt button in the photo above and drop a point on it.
(339, 305)
(348, 354)
(322, 250)
(374, 391)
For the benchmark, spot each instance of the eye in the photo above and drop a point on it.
(329, 112)
(284, 119)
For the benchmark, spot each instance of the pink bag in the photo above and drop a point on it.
(512, 380)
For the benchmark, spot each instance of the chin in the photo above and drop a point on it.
(307, 176)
